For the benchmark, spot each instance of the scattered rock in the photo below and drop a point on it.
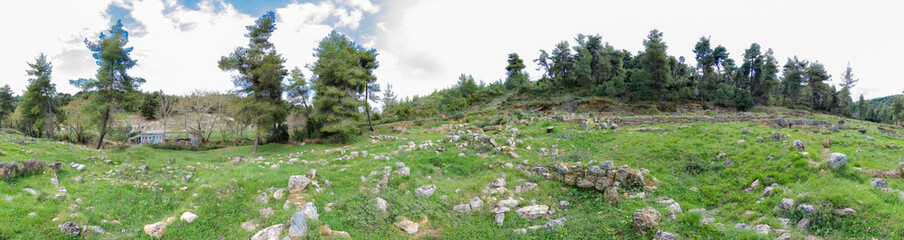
(762, 229)
(405, 171)
(742, 226)
(476, 203)
(663, 235)
(298, 225)
(381, 204)
(96, 229)
(462, 208)
(70, 228)
(845, 212)
(407, 226)
(266, 212)
(499, 182)
(310, 211)
(271, 233)
(837, 160)
(807, 208)
(298, 183)
(533, 211)
(425, 191)
(279, 193)
(878, 182)
(188, 217)
(675, 207)
(552, 224)
(786, 204)
(804, 224)
(156, 229)
(798, 145)
(646, 218)
(250, 226)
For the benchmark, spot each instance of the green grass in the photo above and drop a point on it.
(680, 158)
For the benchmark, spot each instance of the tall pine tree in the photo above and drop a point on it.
(259, 77)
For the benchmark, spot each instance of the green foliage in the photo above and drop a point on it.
(7, 103)
(655, 62)
(339, 76)
(259, 77)
(112, 84)
(37, 107)
(149, 105)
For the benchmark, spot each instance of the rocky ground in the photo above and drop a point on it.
(525, 176)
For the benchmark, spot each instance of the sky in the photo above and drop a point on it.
(425, 45)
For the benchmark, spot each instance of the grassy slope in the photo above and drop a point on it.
(666, 153)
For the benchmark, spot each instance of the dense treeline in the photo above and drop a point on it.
(337, 100)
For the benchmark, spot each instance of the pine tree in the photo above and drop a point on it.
(338, 78)
(655, 62)
(37, 104)
(113, 83)
(259, 77)
(7, 104)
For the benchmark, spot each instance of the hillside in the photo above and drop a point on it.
(532, 176)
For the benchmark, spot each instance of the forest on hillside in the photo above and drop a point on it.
(341, 98)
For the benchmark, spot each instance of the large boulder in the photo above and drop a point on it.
(270, 233)
(70, 228)
(646, 218)
(298, 225)
(837, 160)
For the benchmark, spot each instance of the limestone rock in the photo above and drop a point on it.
(381, 204)
(298, 225)
(845, 212)
(878, 182)
(533, 211)
(646, 218)
(798, 145)
(407, 226)
(298, 183)
(270, 233)
(499, 182)
(70, 228)
(663, 235)
(156, 229)
(786, 204)
(310, 211)
(425, 191)
(188, 217)
(837, 160)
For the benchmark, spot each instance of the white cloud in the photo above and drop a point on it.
(177, 48)
(56, 28)
(427, 44)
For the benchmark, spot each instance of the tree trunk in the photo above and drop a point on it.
(103, 129)
(257, 137)
(50, 111)
(367, 110)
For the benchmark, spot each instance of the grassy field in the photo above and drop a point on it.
(121, 198)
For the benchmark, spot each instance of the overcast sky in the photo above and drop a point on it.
(426, 45)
